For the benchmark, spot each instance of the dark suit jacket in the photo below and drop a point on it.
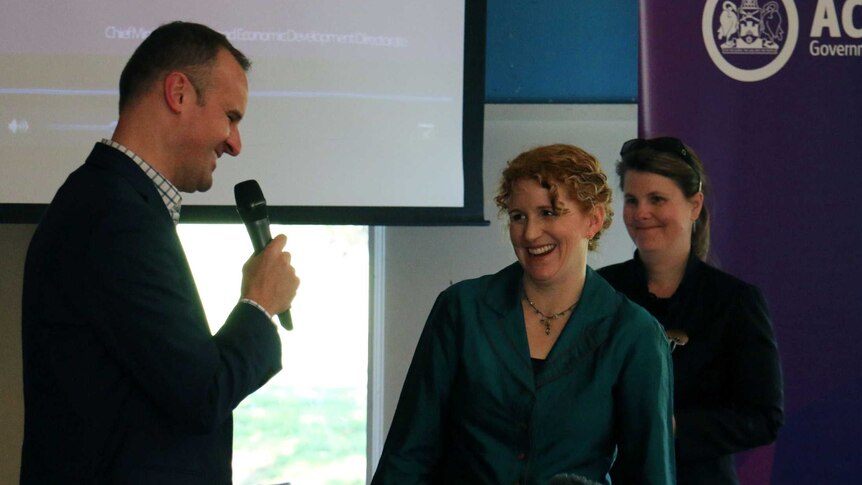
(727, 379)
(472, 409)
(123, 381)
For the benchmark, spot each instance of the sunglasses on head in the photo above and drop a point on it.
(666, 144)
(663, 144)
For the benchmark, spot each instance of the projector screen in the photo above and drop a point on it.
(359, 112)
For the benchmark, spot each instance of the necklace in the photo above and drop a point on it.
(546, 319)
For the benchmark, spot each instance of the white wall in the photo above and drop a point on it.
(422, 261)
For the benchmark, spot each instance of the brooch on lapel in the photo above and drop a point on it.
(676, 338)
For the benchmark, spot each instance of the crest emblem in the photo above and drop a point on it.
(747, 41)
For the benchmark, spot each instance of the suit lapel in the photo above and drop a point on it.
(503, 328)
(587, 329)
(104, 157)
(110, 159)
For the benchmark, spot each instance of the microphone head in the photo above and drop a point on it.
(249, 201)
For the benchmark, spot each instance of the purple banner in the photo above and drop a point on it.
(769, 94)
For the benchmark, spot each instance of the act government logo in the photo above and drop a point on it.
(750, 40)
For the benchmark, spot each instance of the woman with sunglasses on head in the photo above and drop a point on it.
(727, 376)
(540, 372)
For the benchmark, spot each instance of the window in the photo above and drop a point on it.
(307, 424)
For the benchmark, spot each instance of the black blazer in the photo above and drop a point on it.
(123, 381)
(728, 391)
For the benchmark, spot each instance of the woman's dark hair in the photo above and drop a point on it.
(177, 46)
(671, 158)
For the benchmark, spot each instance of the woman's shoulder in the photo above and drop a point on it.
(497, 292)
(627, 276)
(628, 316)
(506, 277)
(633, 314)
(635, 325)
(496, 289)
(613, 272)
(717, 280)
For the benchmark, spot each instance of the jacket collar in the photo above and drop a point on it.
(685, 294)
(105, 157)
(588, 326)
(692, 268)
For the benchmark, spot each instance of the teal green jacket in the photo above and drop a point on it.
(472, 410)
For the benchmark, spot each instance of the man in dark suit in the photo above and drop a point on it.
(123, 381)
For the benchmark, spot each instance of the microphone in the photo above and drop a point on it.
(252, 210)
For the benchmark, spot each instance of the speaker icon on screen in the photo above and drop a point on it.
(19, 126)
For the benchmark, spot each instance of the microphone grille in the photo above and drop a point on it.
(250, 202)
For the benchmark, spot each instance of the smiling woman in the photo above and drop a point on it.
(545, 343)
(727, 377)
(558, 203)
(658, 215)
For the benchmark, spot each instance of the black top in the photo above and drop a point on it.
(728, 393)
(538, 364)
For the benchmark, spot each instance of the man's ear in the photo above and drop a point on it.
(177, 89)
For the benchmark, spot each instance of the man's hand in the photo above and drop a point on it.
(269, 279)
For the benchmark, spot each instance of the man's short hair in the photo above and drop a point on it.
(177, 46)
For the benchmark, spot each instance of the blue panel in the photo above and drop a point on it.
(561, 51)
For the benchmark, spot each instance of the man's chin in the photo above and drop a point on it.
(201, 186)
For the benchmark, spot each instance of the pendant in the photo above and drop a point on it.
(547, 324)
